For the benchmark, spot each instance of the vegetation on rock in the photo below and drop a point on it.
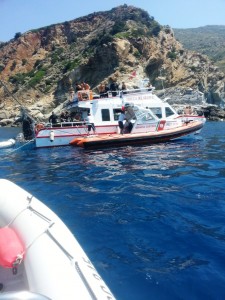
(208, 40)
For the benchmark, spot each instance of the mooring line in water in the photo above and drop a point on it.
(21, 146)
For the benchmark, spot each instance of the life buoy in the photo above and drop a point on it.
(11, 248)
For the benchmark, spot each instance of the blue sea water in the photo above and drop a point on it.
(150, 218)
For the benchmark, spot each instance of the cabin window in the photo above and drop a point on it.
(147, 117)
(157, 111)
(169, 112)
(105, 115)
(116, 113)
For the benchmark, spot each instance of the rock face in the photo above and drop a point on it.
(40, 66)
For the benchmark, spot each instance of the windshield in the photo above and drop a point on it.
(144, 115)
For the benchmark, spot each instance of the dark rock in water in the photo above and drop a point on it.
(214, 113)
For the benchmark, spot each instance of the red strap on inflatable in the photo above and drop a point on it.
(11, 248)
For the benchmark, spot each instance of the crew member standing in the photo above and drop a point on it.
(120, 121)
(53, 118)
(90, 123)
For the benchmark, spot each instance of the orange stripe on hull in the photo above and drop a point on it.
(111, 140)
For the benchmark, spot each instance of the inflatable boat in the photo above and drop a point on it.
(7, 144)
(39, 256)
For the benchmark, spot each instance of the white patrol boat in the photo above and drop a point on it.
(105, 112)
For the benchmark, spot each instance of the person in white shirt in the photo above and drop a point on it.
(90, 123)
(120, 121)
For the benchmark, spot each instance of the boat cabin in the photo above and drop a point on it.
(106, 110)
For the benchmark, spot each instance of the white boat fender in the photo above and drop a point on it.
(52, 136)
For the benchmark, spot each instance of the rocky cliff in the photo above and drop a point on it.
(40, 66)
(208, 40)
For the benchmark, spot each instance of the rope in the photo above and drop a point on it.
(39, 235)
(23, 108)
(29, 198)
(11, 94)
(22, 146)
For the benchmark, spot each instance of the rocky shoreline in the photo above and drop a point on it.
(179, 98)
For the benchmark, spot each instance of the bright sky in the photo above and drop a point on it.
(23, 15)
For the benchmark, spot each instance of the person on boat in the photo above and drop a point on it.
(38, 127)
(67, 117)
(90, 123)
(127, 127)
(188, 110)
(106, 91)
(114, 88)
(150, 87)
(28, 125)
(78, 87)
(86, 86)
(121, 119)
(77, 118)
(28, 128)
(124, 87)
(53, 118)
(101, 90)
(84, 93)
(62, 117)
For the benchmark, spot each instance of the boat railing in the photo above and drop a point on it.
(121, 93)
(85, 95)
(88, 95)
(65, 124)
(138, 90)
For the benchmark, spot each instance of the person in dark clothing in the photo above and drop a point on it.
(106, 95)
(67, 117)
(124, 88)
(62, 117)
(53, 118)
(27, 125)
(28, 128)
(78, 87)
(114, 88)
(127, 127)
